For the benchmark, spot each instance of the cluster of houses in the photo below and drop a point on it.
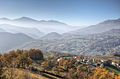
(94, 62)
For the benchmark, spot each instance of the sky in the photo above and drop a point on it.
(72, 12)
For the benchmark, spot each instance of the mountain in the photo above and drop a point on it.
(52, 35)
(43, 25)
(94, 44)
(3, 20)
(105, 42)
(98, 28)
(32, 32)
(113, 32)
(10, 40)
(99, 39)
(25, 19)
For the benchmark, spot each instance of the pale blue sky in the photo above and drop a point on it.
(73, 12)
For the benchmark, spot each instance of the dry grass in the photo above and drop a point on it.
(21, 74)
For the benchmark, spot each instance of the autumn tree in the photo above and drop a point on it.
(102, 73)
(35, 54)
(117, 76)
(23, 61)
(2, 64)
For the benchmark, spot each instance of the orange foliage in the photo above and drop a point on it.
(102, 73)
(117, 77)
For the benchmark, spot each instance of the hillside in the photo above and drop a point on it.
(51, 36)
(100, 43)
(32, 32)
(98, 28)
(10, 40)
(95, 44)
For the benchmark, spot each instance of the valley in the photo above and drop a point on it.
(80, 54)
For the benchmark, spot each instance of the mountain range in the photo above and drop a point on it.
(94, 44)
(99, 39)
(32, 32)
(42, 25)
(98, 28)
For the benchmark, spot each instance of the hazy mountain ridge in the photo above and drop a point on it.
(92, 43)
(98, 28)
(106, 42)
(98, 44)
(33, 32)
(43, 25)
(10, 40)
(88, 44)
(51, 36)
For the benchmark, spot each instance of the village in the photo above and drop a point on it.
(54, 65)
(66, 66)
(95, 61)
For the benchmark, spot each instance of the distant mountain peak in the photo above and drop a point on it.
(25, 19)
(55, 21)
(4, 18)
(52, 35)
